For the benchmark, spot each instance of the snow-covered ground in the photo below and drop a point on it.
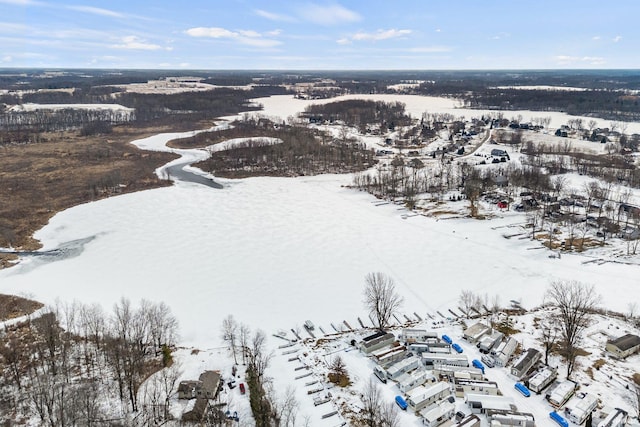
(275, 252)
(286, 105)
(94, 107)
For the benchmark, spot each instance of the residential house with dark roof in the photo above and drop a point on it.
(624, 346)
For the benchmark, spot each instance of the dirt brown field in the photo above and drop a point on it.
(39, 179)
(12, 306)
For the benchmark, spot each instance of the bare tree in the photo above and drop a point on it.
(467, 300)
(549, 330)
(376, 412)
(574, 302)
(230, 334)
(381, 298)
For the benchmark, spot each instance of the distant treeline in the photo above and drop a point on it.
(612, 105)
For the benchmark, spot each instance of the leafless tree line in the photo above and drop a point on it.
(64, 364)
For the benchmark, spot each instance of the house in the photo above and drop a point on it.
(624, 346)
(475, 332)
(207, 386)
(195, 412)
(525, 362)
(496, 152)
(510, 418)
(187, 389)
(376, 341)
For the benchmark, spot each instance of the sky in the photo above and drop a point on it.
(317, 35)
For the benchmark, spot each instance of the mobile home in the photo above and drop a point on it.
(410, 380)
(475, 332)
(560, 392)
(504, 351)
(430, 359)
(380, 373)
(387, 356)
(437, 414)
(481, 403)
(403, 366)
(615, 418)
(510, 418)
(541, 379)
(417, 335)
(452, 371)
(578, 409)
(465, 386)
(376, 341)
(421, 397)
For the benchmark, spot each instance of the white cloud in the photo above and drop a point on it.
(7, 58)
(274, 16)
(246, 37)
(429, 49)
(569, 60)
(135, 43)
(11, 27)
(23, 2)
(616, 39)
(381, 35)
(595, 38)
(333, 14)
(96, 11)
(376, 36)
(213, 32)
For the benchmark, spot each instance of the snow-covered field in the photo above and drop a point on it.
(275, 252)
(286, 105)
(94, 107)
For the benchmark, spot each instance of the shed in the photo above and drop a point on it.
(624, 346)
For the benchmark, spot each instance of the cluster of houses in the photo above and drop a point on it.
(431, 372)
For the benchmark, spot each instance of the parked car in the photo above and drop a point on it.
(242, 389)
